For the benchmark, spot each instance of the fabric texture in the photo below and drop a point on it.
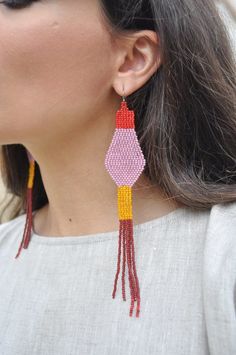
(55, 299)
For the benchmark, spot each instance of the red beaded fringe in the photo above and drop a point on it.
(126, 243)
(28, 224)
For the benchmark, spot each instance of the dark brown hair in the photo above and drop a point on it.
(185, 113)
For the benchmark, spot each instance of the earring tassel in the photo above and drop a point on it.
(125, 161)
(28, 224)
(126, 237)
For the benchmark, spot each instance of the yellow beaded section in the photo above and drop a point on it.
(125, 202)
(31, 174)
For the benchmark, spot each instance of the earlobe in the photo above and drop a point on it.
(140, 61)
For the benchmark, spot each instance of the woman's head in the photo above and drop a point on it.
(63, 60)
(59, 66)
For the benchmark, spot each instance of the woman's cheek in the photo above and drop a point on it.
(52, 71)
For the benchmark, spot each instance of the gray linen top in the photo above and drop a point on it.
(55, 299)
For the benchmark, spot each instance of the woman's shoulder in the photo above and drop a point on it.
(11, 233)
(12, 226)
(12, 222)
(220, 251)
(221, 230)
(222, 220)
(224, 210)
(219, 274)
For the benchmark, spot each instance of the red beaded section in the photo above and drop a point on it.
(124, 117)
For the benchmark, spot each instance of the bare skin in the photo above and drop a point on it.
(61, 84)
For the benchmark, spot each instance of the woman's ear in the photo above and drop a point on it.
(137, 61)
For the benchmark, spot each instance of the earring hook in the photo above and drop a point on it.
(123, 96)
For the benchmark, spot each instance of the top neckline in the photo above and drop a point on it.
(169, 218)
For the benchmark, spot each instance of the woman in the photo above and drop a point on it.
(72, 73)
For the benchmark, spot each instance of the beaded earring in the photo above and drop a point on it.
(28, 224)
(125, 162)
